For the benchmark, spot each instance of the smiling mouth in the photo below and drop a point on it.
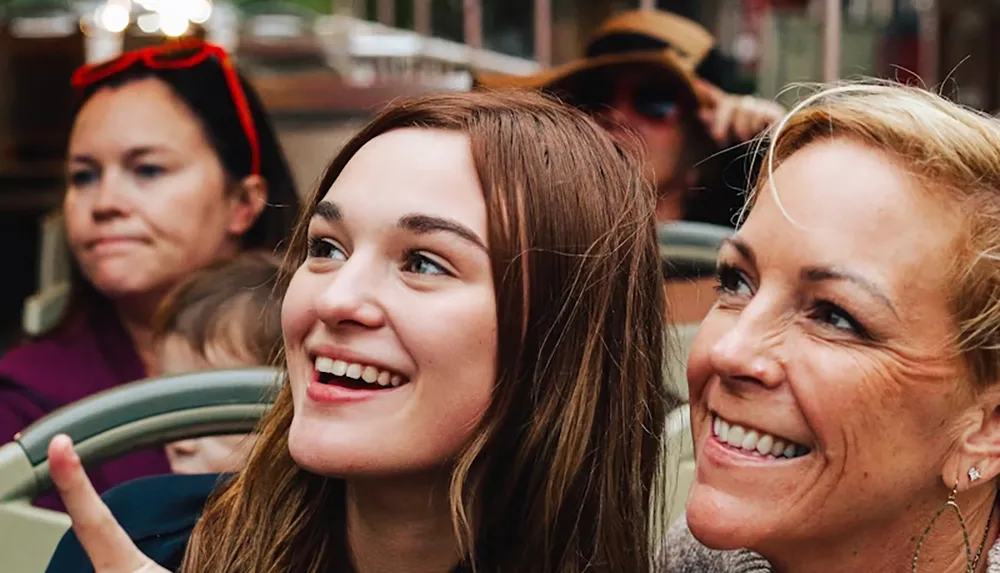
(355, 376)
(752, 442)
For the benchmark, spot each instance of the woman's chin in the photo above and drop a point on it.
(720, 521)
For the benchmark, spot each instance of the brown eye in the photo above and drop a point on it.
(326, 249)
(732, 282)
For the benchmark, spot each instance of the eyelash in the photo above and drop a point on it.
(411, 257)
(728, 278)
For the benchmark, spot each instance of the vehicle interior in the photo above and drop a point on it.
(319, 92)
(156, 411)
(112, 423)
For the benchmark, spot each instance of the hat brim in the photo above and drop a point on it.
(564, 76)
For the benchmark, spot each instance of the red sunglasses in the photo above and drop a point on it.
(178, 55)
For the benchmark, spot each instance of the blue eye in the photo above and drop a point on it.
(326, 249)
(83, 177)
(420, 264)
(149, 171)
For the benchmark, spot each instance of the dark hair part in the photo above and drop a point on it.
(232, 305)
(564, 472)
(204, 91)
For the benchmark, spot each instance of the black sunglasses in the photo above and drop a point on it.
(652, 101)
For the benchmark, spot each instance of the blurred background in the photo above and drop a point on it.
(323, 67)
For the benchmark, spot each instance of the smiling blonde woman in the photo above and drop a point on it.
(844, 390)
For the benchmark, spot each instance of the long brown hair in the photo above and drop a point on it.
(562, 473)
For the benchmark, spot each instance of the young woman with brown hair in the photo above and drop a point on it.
(474, 345)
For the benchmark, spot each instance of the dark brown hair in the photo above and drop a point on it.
(563, 473)
(231, 305)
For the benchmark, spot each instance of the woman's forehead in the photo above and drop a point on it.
(141, 113)
(841, 203)
(412, 170)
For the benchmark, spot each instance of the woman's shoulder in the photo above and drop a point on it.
(682, 553)
(158, 513)
(93, 352)
(54, 350)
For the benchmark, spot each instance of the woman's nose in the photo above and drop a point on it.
(351, 297)
(110, 197)
(749, 351)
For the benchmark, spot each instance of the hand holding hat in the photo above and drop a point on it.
(731, 118)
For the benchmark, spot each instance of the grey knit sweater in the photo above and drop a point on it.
(684, 554)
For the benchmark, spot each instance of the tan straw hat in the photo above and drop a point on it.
(654, 38)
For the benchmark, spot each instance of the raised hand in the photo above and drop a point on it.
(730, 118)
(107, 545)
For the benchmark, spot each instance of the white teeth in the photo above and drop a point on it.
(369, 374)
(735, 438)
(750, 440)
(764, 444)
(754, 441)
(324, 364)
(777, 448)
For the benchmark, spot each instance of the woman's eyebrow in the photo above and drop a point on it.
(421, 223)
(327, 211)
(820, 274)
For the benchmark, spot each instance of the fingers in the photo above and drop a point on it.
(106, 543)
(740, 118)
(722, 120)
(748, 123)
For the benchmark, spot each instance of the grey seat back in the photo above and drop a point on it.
(138, 415)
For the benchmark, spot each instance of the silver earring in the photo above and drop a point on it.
(974, 474)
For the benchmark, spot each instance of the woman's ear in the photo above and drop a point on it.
(976, 457)
(248, 201)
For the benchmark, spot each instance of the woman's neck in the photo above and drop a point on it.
(400, 525)
(891, 547)
(136, 316)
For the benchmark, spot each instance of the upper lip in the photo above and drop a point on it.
(754, 426)
(338, 353)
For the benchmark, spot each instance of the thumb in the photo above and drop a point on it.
(107, 545)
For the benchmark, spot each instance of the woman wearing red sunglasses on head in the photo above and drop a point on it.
(172, 165)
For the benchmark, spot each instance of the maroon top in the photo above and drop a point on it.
(90, 353)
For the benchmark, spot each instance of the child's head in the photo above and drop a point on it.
(224, 316)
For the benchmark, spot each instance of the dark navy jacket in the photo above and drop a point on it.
(158, 513)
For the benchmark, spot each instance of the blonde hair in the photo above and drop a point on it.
(953, 151)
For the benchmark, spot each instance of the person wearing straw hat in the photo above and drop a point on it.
(650, 73)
